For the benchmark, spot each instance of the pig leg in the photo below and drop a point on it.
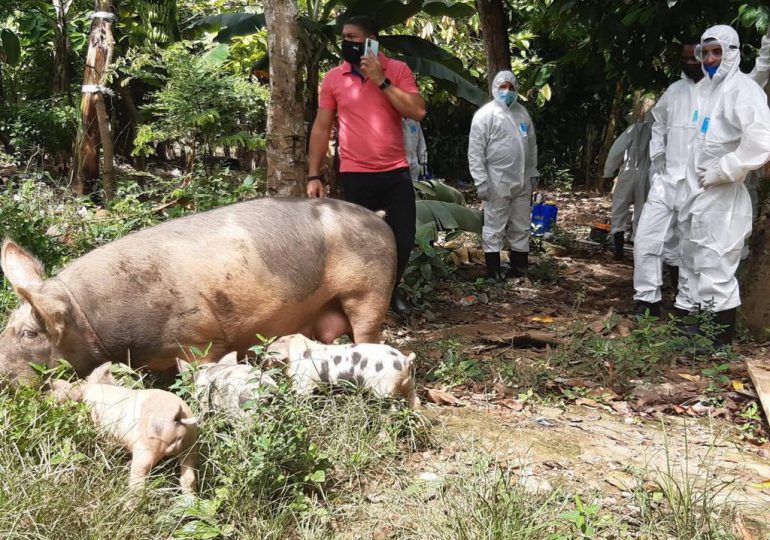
(187, 471)
(366, 315)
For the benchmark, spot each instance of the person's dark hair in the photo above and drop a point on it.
(365, 23)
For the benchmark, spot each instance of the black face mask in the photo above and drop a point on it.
(352, 51)
(693, 71)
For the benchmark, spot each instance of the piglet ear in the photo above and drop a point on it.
(64, 391)
(230, 359)
(102, 375)
(183, 366)
(21, 268)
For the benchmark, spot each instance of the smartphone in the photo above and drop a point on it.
(371, 46)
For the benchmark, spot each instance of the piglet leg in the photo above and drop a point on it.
(187, 471)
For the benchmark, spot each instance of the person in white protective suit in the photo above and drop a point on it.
(502, 157)
(657, 240)
(630, 152)
(732, 138)
(416, 149)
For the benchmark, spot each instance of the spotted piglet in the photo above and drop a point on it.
(226, 386)
(380, 368)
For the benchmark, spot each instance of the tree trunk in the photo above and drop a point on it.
(61, 79)
(101, 44)
(755, 277)
(496, 45)
(286, 132)
(108, 150)
(134, 119)
(609, 136)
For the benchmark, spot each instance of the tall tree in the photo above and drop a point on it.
(492, 17)
(95, 124)
(61, 48)
(286, 132)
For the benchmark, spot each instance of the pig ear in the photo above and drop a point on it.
(48, 310)
(22, 269)
(102, 375)
(230, 359)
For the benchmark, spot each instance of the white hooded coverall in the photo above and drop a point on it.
(502, 157)
(415, 147)
(657, 239)
(732, 138)
(632, 149)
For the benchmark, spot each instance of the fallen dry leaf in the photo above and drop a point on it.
(689, 377)
(515, 405)
(543, 319)
(587, 403)
(439, 397)
(739, 528)
(737, 386)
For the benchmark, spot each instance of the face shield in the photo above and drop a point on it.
(719, 50)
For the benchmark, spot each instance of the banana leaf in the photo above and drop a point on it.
(430, 60)
(438, 191)
(434, 216)
(228, 25)
(10, 47)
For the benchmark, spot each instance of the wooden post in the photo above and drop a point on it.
(101, 44)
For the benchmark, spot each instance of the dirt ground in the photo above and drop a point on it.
(566, 425)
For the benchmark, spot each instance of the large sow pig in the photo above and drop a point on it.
(270, 266)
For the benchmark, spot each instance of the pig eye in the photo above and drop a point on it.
(29, 334)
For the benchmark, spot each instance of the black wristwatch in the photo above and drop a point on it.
(386, 83)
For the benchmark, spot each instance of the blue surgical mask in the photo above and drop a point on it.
(711, 70)
(507, 96)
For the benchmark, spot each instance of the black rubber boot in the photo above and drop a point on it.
(685, 322)
(519, 263)
(618, 239)
(726, 321)
(647, 309)
(493, 267)
(399, 304)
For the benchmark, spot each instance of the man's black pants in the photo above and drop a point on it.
(393, 192)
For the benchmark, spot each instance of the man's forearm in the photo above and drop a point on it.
(408, 105)
(319, 142)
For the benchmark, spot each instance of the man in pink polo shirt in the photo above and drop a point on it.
(368, 95)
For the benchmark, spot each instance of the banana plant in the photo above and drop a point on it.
(10, 47)
(442, 208)
(322, 22)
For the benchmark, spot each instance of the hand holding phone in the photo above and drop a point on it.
(371, 46)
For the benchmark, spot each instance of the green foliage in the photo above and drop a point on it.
(198, 105)
(580, 518)
(614, 360)
(40, 127)
(426, 264)
(39, 430)
(27, 213)
(456, 367)
(491, 502)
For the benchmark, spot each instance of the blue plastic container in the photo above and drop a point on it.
(543, 218)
